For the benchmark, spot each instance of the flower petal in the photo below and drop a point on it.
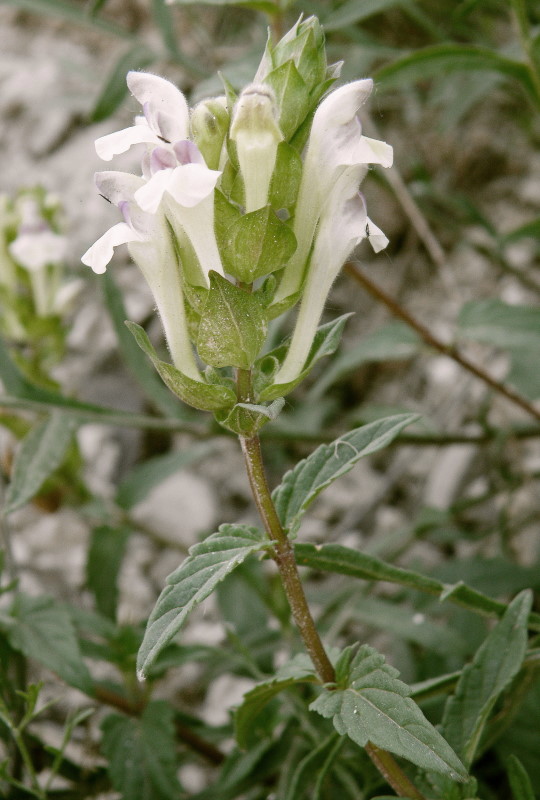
(375, 236)
(120, 141)
(149, 195)
(101, 252)
(167, 105)
(192, 183)
(117, 187)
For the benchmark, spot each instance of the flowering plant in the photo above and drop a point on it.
(243, 209)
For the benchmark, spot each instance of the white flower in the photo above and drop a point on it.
(257, 136)
(342, 227)
(151, 247)
(174, 170)
(335, 141)
(36, 244)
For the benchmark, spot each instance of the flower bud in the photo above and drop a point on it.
(256, 133)
(209, 125)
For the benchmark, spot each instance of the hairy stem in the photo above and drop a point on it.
(286, 563)
(433, 341)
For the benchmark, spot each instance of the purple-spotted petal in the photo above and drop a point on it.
(167, 105)
(117, 186)
(120, 141)
(101, 252)
(188, 153)
(191, 184)
(149, 196)
(161, 158)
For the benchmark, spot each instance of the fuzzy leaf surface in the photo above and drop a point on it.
(142, 753)
(495, 664)
(40, 454)
(204, 396)
(372, 705)
(208, 563)
(309, 477)
(232, 328)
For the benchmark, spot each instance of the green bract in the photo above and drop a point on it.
(245, 207)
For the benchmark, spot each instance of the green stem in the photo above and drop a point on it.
(288, 570)
(390, 770)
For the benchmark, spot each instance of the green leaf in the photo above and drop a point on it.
(520, 783)
(144, 477)
(105, 556)
(286, 177)
(115, 89)
(370, 704)
(443, 58)
(204, 396)
(131, 354)
(40, 453)
(314, 767)
(346, 561)
(528, 230)
(43, 631)
(208, 563)
(325, 342)
(257, 244)
(233, 327)
(329, 462)
(298, 670)
(500, 324)
(292, 95)
(246, 419)
(495, 664)
(352, 12)
(393, 342)
(142, 753)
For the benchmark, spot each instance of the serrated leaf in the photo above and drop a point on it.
(142, 753)
(298, 670)
(105, 556)
(257, 244)
(494, 666)
(115, 88)
(208, 563)
(325, 342)
(133, 357)
(43, 631)
(439, 59)
(40, 453)
(329, 462)
(371, 704)
(204, 396)
(520, 783)
(232, 328)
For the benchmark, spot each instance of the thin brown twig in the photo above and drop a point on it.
(434, 342)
